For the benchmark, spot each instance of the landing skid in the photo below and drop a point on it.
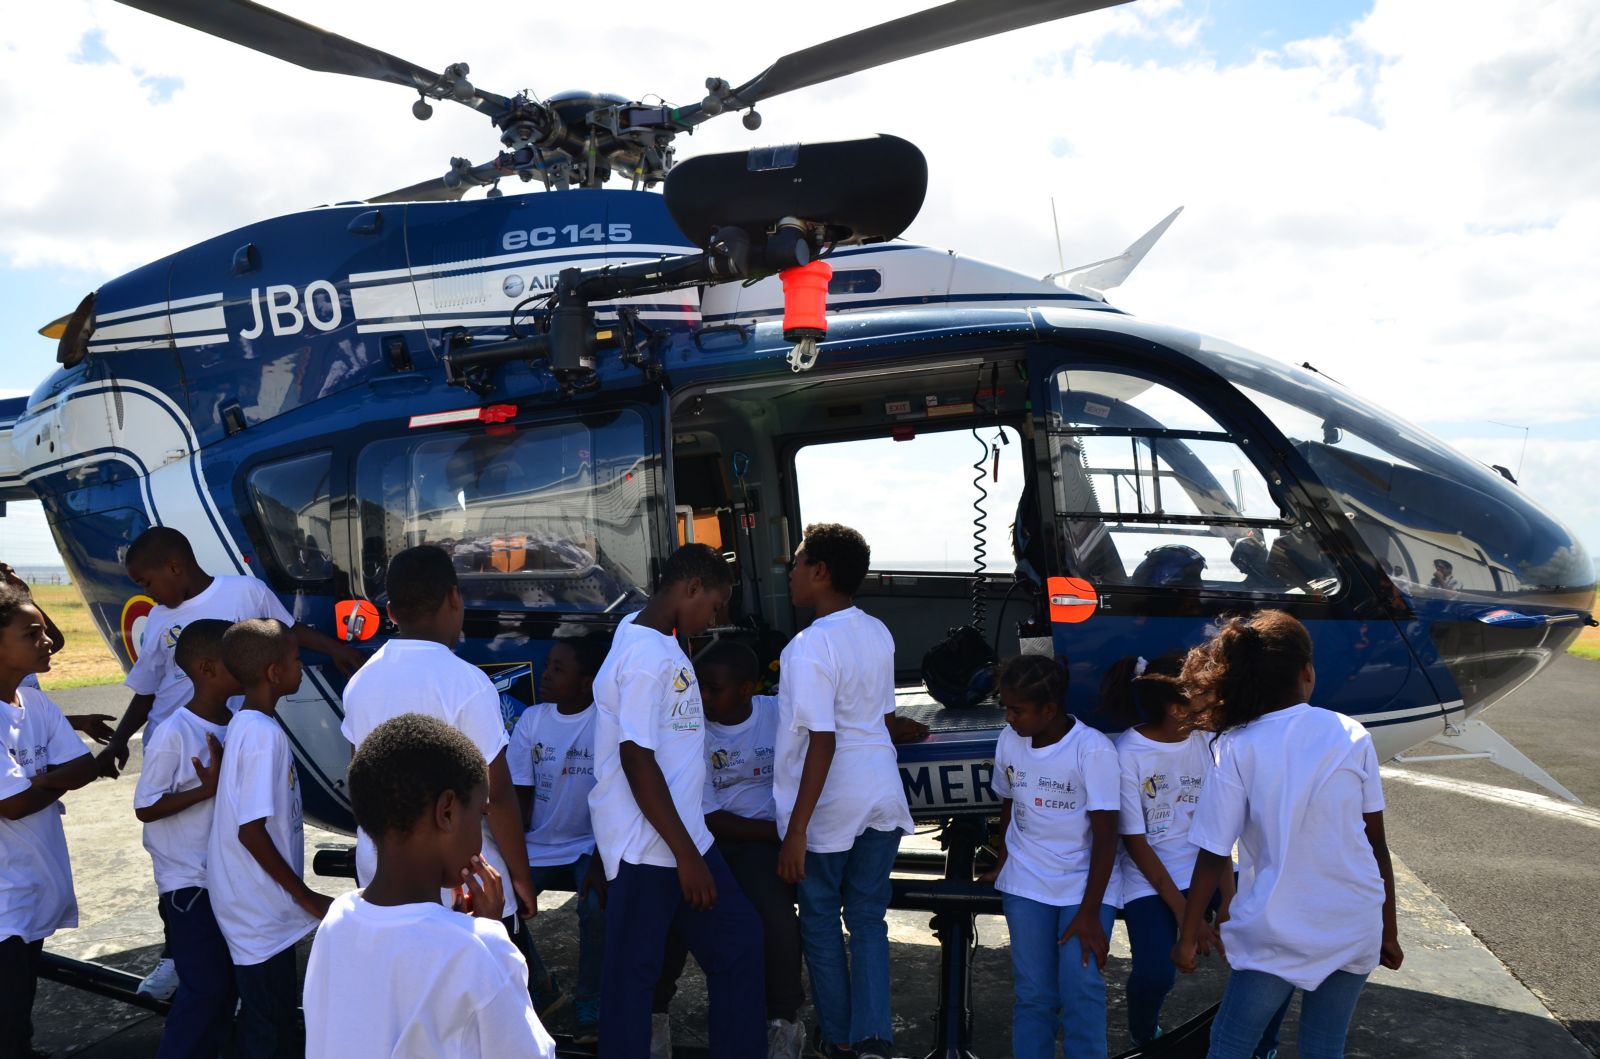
(1474, 740)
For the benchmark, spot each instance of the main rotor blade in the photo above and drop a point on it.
(434, 190)
(274, 33)
(915, 34)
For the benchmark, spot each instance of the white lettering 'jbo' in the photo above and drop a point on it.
(283, 307)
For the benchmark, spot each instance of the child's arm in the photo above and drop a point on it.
(1209, 868)
(114, 758)
(79, 772)
(1085, 926)
(1150, 866)
(1000, 862)
(28, 802)
(505, 825)
(813, 774)
(1391, 954)
(654, 799)
(254, 838)
(176, 802)
(524, 804)
(347, 658)
(723, 824)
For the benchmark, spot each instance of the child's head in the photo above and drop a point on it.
(262, 654)
(697, 581)
(1251, 667)
(161, 561)
(571, 666)
(832, 558)
(423, 590)
(1137, 691)
(1033, 689)
(416, 779)
(199, 654)
(727, 671)
(24, 644)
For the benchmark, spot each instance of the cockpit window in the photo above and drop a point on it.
(1153, 492)
(1436, 521)
(548, 517)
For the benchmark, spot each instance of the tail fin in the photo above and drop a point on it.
(1097, 277)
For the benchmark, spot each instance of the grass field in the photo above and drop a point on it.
(85, 660)
(1587, 645)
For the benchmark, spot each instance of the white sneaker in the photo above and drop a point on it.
(785, 1039)
(162, 982)
(660, 1035)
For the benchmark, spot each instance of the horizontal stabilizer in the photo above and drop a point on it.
(1097, 277)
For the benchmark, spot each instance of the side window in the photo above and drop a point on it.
(1152, 492)
(917, 501)
(291, 500)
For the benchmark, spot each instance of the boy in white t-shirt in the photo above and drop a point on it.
(418, 671)
(256, 854)
(741, 736)
(664, 874)
(446, 985)
(840, 804)
(552, 766)
(43, 760)
(162, 563)
(174, 800)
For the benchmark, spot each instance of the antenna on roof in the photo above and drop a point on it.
(1061, 261)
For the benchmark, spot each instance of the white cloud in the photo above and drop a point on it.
(1410, 204)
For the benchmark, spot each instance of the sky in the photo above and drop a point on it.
(1402, 195)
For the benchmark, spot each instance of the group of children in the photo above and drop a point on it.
(690, 814)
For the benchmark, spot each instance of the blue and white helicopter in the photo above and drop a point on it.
(561, 386)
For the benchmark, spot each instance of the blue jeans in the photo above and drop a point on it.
(644, 904)
(1053, 986)
(852, 1000)
(1152, 931)
(591, 926)
(1253, 998)
(202, 1010)
(269, 1011)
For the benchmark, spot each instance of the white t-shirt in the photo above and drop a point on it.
(228, 598)
(257, 916)
(1291, 788)
(1161, 784)
(739, 763)
(646, 694)
(838, 676)
(177, 844)
(420, 676)
(1053, 790)
(36, 897)
(452, 986)
(30, 681)
(553, 753)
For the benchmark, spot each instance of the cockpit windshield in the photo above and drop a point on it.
(547, 517)
(1436, 520)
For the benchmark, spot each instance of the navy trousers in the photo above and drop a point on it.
(202, 1009)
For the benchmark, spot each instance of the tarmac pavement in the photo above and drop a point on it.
(1471, 865)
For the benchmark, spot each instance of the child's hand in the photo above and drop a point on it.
(906, 730)
(1390, 955)
(527, 897)
(208, 774)
(481, 892)
(792, 857)
(1091, 937)
(316, 905)
(1183, 955)
(94, 725)
(346, 658)
(595, 879)
(699, 889)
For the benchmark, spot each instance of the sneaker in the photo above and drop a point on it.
(785, 1039)
(876, 1048)
(660, 1035)
(547, 997)
(161, 982)
(588, 1017)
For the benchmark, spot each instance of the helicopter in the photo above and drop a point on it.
(561, 386)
